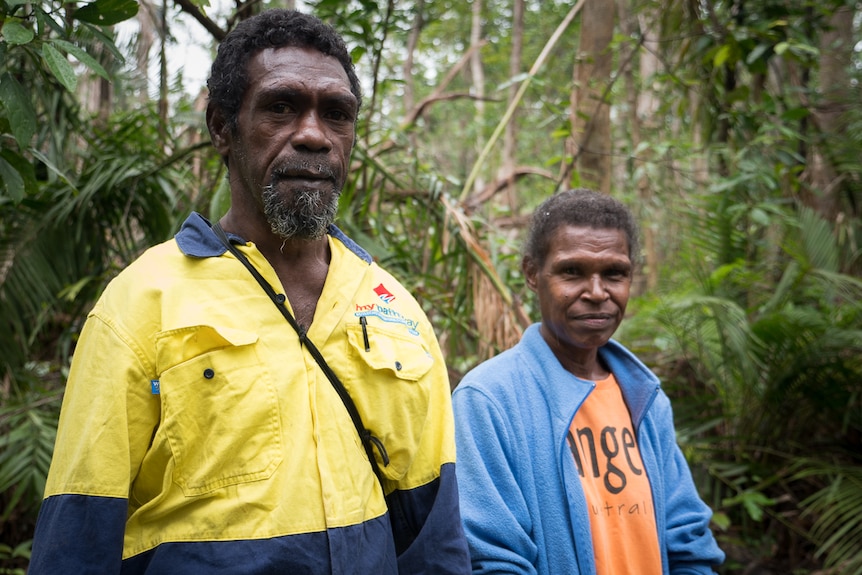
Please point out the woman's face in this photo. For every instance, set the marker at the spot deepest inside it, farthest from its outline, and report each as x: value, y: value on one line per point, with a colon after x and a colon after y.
x: 582, y: 287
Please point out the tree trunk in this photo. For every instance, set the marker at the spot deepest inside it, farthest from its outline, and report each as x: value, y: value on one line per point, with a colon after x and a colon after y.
x: 478, y: 76
x: 163, y: 76
x: 407, y: 69
x: 590, y: 142
x: 643, y: 104
x: 507, y: 170
x: 836, y: 53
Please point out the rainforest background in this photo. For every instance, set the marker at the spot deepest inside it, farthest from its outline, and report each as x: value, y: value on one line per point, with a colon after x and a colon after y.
x: 733, y: 129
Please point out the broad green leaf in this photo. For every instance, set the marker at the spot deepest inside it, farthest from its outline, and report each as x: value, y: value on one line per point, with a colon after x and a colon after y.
x: 82, y: 57
x: 107, y: 12
x: 19, y: 110
x: 24, y: 167
x: 15, y: 33
x: 13, y: 183
x: 60, y: 67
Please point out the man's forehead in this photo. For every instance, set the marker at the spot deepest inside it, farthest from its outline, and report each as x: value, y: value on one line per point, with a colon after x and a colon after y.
x: 299, y: 62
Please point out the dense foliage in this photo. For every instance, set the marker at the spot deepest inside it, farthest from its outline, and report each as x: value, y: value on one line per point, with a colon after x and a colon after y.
x: 735, y: 132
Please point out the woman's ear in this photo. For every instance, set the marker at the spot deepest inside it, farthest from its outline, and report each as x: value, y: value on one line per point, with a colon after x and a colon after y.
x: 528, y: 266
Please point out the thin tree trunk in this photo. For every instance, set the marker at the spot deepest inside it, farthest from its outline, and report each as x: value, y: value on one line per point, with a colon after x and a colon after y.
x: 478, y: 76
x: 836, y: 51
x: 510, y: 138
x: 163, y: 75
x: 146, y: 37
x: 590, y: 143
x: 407, y: 70
x: 412, y: 42
x: 643, y: 104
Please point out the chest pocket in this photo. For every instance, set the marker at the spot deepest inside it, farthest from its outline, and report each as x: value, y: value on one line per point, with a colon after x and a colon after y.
x: 390, y: 390
x: 220, y: 408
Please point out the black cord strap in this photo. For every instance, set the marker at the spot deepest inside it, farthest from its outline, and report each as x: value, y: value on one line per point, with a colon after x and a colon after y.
x: 369, y: 442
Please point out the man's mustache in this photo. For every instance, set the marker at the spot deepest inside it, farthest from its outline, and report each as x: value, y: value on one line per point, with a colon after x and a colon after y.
x: 301, y: 167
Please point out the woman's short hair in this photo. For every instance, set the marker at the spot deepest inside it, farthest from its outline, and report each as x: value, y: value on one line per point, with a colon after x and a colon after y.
x: 578, y: 207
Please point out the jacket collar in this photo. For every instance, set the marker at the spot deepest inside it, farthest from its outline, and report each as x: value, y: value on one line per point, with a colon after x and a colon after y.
x: 197, y: 240
x: 638, y: 384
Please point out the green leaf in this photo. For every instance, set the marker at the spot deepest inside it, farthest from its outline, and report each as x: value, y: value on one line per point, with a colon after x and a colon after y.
x: 19, y: 110
x: 794, y: 114
x: 82, y: 57
x: 107, y: 12
x: 13, y: 183
x: 15, y: 33
x: 756, y: 53
x: 23, y: 167
x: 721, y: 520
x: 106, y: 40
x: 60, y: 67
x: 721, y: 56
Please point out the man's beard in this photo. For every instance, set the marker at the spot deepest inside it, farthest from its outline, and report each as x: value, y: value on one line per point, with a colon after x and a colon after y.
x: 300, y: 213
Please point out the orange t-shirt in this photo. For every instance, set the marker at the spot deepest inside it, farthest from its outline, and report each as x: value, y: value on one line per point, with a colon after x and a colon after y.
x: 619, y: 498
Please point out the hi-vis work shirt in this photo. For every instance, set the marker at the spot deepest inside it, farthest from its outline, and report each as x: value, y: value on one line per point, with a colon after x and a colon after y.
x: 198, y: 436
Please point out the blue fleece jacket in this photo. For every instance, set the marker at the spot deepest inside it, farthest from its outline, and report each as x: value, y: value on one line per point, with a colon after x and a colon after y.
x: 522, y: 504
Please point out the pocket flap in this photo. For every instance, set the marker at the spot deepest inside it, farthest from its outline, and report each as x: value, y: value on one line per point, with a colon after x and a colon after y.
x: 178, y: 345
x: 405, y: 358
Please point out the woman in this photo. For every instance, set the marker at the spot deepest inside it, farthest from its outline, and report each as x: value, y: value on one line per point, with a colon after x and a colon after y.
x: 567, y: 457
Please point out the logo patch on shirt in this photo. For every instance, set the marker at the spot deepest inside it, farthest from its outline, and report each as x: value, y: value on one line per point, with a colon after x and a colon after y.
x: 388, y: 315
x: 384, y: 294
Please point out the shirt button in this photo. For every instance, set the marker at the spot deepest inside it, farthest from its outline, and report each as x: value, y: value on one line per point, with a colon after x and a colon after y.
x: 280, y: 298
x: 397, y: 366
x: 209, y: 373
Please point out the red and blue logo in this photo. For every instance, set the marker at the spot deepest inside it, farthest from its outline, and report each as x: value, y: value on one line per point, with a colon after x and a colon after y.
x: 384, y: 293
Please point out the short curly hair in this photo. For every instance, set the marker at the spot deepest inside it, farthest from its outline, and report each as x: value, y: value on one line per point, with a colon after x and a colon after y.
x: 578, y: 207
x: 274, y: 28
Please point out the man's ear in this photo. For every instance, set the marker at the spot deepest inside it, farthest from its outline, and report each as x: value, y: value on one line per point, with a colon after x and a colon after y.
x: 219, y: 129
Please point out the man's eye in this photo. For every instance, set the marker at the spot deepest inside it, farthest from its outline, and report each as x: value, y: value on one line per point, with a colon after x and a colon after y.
x: 279, y: 108
x: 339, y: 116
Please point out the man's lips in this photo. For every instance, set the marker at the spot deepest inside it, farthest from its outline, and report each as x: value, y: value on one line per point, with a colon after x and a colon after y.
x: 301, y: 175
x: 305, y: 174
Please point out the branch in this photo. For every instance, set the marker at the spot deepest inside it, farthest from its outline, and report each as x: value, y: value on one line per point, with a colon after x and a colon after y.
x: 500, y: 184
x: 188, y: 7
x: 420, y: 108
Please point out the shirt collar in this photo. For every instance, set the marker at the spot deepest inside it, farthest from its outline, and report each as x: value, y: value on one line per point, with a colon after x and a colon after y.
x: 197, y: 240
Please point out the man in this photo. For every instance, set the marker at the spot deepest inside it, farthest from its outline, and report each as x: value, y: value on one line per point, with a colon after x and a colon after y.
x: 199, y: 433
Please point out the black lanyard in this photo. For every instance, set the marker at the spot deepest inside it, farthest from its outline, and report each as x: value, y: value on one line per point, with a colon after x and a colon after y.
x: 368, y: 440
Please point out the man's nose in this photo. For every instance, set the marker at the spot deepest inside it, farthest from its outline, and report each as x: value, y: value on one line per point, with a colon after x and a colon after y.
x: 311, y: 133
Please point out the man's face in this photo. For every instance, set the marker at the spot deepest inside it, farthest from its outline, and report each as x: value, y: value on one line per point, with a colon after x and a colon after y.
x: 289, y: 152
x: 583, y: 287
